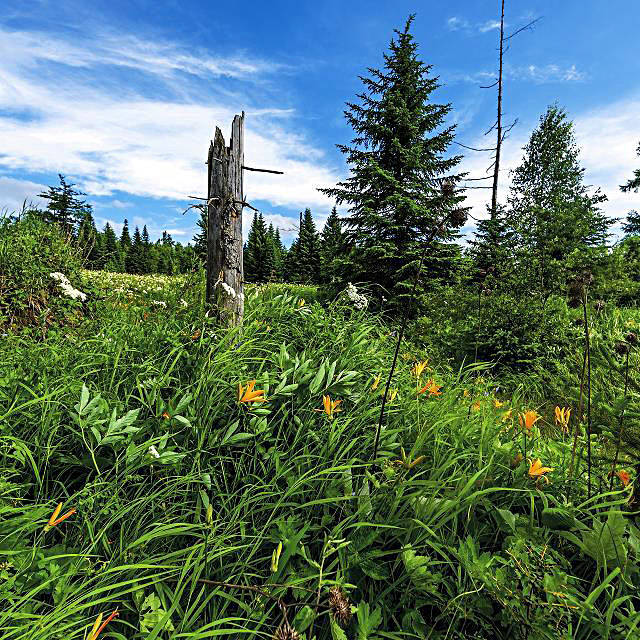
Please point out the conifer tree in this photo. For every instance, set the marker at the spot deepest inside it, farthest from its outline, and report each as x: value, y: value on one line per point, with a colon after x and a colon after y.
x: 125, y: 238
x: 66, y: 207
x: 308, y: 250
x: 552, y: 213
x: 111, y: 251
x: 88, y: 241
x: 200, y: 238
x: 257, y: 262
x: 401, y: 188
x: 135, y: 258
x: 331, y: 247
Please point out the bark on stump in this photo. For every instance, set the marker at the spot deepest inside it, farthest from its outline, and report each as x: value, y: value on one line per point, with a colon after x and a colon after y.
x: 225, y: 289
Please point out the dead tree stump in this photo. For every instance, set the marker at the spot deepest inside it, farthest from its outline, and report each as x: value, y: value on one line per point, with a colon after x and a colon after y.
x: 225, y: 288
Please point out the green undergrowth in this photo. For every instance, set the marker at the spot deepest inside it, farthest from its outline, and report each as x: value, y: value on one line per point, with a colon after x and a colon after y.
x: 199, y: 516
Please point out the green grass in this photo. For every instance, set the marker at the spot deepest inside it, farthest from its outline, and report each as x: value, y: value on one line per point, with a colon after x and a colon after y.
x: 456, y: 546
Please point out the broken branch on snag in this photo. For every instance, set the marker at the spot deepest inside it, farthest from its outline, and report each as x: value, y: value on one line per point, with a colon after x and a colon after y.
x: 262, y: 170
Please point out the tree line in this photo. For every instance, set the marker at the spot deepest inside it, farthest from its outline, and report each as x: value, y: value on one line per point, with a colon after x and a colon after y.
x: 67, y: 208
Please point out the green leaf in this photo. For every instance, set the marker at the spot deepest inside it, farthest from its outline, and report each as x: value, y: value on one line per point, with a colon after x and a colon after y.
x: 303, y: 619
x: 316, y: 383
x: 605, y: 543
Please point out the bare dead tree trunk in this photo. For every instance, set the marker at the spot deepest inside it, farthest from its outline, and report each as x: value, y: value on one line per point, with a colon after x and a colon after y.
x: 496, y: 167
x: 225, y: 282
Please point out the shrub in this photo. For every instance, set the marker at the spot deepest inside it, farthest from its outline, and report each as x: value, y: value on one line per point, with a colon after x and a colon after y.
x: 30, y: 250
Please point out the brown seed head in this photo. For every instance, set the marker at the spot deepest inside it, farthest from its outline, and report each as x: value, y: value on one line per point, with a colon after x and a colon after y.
x: 622, y: 348
x: 286, y: 632
x: 339, y: 605
x: 631, y: 338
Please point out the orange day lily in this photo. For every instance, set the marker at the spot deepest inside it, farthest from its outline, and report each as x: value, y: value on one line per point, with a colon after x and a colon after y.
x: 537, y: 471
x: 562, y: 417
x: 497, y: 404
x: 55, y: 520
x: 330, y: 406
x: 98, y: 625
x: 247, y: 394
x: 624, y: 477
x: 431, y: 387
x: 376, y: 382
x: 165, y: 415
x: 528, y: 419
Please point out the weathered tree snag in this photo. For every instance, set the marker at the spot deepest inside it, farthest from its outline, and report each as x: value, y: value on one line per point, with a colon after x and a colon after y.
x: 225, y: 289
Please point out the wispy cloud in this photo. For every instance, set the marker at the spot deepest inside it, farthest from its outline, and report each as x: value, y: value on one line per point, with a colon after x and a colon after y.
x: 457, y: 24
x: 489, y: 25
x: 539, y: 74
x: 119, y: 113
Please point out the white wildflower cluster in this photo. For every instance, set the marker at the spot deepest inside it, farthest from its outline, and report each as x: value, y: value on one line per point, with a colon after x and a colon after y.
x: 159, y: 303
x: 359, y: 300
x: 66, y: 286
x: 153, y: 452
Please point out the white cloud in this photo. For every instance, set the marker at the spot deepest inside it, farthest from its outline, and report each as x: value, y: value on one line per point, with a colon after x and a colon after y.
x: 117, y: 204
x: 539, y: 74
x: 456, y: 24
x: 489, y: 25
x: 93, y: 127
x: 607, y: 152
x: 15, y: 192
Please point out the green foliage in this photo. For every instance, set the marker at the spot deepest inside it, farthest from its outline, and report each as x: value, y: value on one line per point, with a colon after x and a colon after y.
x: 30, y: 250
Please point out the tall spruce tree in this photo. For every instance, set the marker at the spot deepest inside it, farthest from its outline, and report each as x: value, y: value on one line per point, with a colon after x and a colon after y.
x: 401, y: 189
x: 551, y: 212
x: 331, y: 248
x: 66, y: 207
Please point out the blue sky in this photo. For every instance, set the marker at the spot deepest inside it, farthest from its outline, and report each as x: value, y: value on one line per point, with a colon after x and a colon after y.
x: 123, y: 96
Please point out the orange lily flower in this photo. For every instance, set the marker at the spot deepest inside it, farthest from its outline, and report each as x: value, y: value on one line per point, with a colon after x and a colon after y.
x: 497, y: 404
x: 330, y: 406
x: 624, y: 477
x: 562, y: 417
x: 55, y: 520
x: 418, y: 368
x: 376, y: 382
x: 98, y: 628
x: 537, y: 471
x: 166, y: 415
x: 247, y: 394
x: 528, y: 419
x: 196, y: 335
x: 431, y: 387
x: 466, y: 393
x: 301, y: 302
x: 476, y: 406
